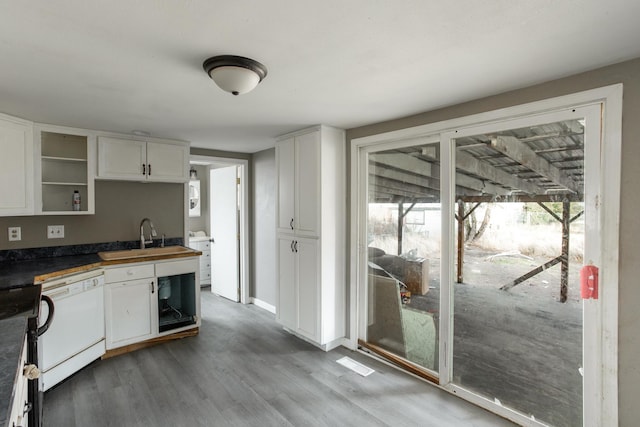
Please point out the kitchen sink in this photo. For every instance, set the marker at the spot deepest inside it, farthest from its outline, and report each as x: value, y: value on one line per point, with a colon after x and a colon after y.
x: 141, y: 253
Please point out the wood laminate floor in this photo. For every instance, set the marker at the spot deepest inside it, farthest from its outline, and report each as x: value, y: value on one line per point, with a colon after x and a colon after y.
x: 244, y: 370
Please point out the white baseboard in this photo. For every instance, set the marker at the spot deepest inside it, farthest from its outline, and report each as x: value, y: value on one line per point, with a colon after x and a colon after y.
x: 263, y: 305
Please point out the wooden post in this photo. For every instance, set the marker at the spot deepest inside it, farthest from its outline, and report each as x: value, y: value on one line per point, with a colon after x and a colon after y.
x: 460, y: 217
x: 564, y: 263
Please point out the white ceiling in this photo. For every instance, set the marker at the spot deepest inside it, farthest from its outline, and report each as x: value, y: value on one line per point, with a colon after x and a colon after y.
x: 128, y: 65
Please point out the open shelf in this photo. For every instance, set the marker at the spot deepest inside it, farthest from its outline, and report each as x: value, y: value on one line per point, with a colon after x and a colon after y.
x: 64, y: 169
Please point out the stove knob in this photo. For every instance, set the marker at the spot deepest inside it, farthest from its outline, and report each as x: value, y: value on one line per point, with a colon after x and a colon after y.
x: 31, y: 372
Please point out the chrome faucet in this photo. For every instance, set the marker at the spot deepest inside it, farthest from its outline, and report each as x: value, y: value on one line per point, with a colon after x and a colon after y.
x: 143, y: 241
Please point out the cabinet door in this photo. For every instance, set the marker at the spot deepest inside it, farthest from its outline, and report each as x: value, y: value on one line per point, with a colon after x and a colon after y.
x: 129, y: 311
x: 16, y: 168
x: 308, y: 287
x: 287, y: 296
x: 167, y: 162
x: 285, y: 165
x: 307, y: 220
x: 121, y: 159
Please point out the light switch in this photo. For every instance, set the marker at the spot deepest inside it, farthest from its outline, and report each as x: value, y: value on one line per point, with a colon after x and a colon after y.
x: 55, y: 231
x: 15, y: 234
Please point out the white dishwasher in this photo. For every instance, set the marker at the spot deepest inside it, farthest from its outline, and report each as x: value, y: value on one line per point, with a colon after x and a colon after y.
x: 75, y: 336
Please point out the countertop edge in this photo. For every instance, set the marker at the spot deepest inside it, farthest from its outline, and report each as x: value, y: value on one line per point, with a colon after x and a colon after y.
x: 103, y: 263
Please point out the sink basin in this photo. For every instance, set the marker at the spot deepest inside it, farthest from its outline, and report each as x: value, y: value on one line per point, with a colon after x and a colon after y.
x: 141, y: 253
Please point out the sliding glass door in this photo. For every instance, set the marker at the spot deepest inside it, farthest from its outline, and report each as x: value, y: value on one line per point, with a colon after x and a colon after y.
x: 403, y: 252
x: 519, y: 242
x: 475, y: 238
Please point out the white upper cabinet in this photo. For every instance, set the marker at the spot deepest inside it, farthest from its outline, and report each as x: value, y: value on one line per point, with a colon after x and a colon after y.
x: 298, y: 165
x: 285, y: 166
x: 16, y: 166
x: 132, y: 160
x: 65, y: 166
x: 121, y: 159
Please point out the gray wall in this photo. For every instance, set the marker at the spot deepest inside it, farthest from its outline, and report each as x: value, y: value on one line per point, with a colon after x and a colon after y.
x: 263, y: 285
x: 119, y: 208
x: 627, y: 73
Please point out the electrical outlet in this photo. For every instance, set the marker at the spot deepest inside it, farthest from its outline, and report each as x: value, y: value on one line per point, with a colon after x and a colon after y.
x: 15, y: 234
x: 55, y: 231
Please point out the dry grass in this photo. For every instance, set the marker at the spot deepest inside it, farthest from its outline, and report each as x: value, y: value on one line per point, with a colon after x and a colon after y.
x: 537, y: 241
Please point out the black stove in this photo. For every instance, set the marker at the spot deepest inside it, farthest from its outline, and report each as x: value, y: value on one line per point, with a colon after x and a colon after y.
x: 25, y: 301
x: 22, y: 301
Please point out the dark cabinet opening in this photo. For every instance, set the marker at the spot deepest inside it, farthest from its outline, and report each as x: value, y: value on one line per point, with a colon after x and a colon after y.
x: 176, y: 301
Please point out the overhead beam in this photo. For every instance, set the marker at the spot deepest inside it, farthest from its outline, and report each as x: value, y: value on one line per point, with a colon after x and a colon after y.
x: 476, y: 185
x: 470, y: 164
x: 405, y: 162
x: 523, y: 198
x: 511, y: 147
x: 410, y: 191
x: 381, y: 171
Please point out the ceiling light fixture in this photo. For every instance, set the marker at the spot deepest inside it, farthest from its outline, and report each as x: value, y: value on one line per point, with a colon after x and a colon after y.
x: 235, y: 74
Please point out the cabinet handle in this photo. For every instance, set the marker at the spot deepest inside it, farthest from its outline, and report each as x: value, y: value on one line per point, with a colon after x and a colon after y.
x: 291, y: 246
x: 291, y: 223
x: 152, y: 287
x: 296, y: 246
x: 144, y: 169
x: 149, y: 168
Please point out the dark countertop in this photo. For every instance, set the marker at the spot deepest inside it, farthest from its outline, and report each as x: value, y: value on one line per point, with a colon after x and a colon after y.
x: 21, y: 267
x: 12, y: 335
x: 22, y: 273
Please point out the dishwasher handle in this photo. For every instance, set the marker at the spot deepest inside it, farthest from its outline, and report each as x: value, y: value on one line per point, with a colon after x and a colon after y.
x: 42, y: 329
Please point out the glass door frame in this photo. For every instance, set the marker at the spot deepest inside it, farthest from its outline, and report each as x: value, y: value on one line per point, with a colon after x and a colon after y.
x: 601, y: 340
x: 591, y: 308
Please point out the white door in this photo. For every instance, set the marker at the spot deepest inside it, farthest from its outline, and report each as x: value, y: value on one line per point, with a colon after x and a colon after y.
x: 224, y: 233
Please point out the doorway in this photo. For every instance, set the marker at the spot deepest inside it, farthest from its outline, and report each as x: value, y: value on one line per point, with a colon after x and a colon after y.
x: 222, y: 222
x: 420, y: 198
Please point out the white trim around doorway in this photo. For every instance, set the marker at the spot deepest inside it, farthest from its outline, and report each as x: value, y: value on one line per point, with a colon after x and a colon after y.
x: 243, y: 167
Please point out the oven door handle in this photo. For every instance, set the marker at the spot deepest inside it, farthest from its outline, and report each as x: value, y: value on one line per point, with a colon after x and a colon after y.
x: 42, y: 329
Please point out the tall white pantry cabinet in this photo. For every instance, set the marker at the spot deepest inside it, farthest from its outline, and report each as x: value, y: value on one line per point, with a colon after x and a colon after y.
x: 311, y: 180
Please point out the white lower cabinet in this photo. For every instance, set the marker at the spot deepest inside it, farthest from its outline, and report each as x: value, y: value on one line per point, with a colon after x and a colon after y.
x: 129, y: 308
x: 299, y: 293
x: 203, y: 244
x: 147, y: 300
